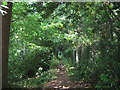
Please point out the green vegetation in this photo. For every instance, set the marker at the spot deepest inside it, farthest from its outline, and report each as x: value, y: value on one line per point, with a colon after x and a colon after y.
x: 86, y: 34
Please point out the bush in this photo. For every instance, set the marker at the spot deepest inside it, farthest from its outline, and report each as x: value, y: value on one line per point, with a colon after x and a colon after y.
x: 54, y: 62
x: 25, y: 63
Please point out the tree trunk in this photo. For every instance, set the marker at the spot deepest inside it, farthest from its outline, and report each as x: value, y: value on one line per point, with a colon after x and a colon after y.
x: 82, y: 53
x: 77, y: 55
x: 56, y: 51
x: 6, y: 19
x: 73, y: 56
x: 85, y: 53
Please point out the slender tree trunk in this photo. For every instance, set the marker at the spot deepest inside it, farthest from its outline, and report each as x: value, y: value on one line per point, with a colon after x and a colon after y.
x: 85, y: 53
x: 73, y: 56
x: 56, y: 52
x: 82, y: 53
x: 6, y: 19
x: 77, y: 55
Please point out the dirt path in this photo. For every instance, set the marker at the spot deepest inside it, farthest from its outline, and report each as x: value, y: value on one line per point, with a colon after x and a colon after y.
x: 62, y: 81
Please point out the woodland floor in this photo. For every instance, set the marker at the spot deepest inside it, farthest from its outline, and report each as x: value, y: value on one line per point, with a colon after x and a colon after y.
x: 63, y: 81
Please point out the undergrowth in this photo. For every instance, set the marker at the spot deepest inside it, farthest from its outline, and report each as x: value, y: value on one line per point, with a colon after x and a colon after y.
x: 36, y: 82
x: 40, y: 79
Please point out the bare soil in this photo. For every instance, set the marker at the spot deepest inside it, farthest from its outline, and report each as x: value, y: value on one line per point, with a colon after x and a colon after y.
x: 63, y: 82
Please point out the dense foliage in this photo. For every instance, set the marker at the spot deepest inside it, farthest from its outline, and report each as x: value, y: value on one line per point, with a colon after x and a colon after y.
x: 87, y: 34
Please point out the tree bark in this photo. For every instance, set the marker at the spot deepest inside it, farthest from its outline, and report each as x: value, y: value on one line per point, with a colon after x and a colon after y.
x: 77, y: 55
x: 6, y: 19
x: 85, y: 52
x: 73, y: 56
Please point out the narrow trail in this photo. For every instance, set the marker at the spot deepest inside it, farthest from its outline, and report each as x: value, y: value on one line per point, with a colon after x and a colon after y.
x: 63, y: 82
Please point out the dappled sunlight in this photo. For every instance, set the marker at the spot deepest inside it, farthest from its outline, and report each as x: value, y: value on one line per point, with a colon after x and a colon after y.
x: 62, y: 45
x: 62, y: 81
x: 64, y: 87
x: 62, y: 72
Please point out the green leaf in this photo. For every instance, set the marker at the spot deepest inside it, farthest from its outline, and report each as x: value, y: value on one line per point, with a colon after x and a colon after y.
x: 4, y: 3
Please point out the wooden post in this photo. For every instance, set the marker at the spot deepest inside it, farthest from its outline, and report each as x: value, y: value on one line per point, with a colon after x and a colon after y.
x: 6, y: 20
x: 0, y: 49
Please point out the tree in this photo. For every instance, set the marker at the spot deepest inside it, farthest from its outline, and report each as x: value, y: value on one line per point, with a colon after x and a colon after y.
x: 6, y: 20
x: 86, y: 32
